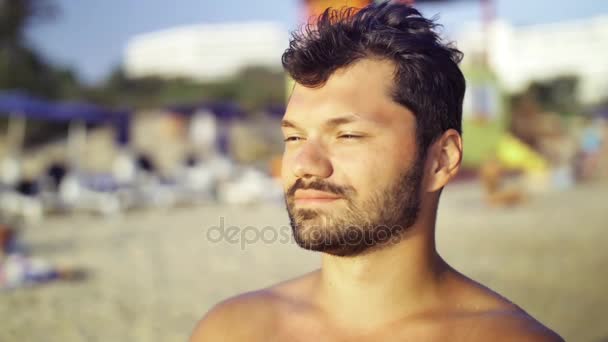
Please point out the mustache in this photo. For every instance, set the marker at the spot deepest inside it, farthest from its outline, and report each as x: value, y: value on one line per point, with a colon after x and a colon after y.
x: 320, y: 186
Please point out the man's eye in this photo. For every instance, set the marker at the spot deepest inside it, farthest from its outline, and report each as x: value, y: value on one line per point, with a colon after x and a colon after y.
x: 290, y: 139
x: 349, y: 136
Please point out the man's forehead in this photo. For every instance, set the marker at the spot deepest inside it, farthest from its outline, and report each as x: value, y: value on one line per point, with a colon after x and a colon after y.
x: 296, y: 98
x: 363, y: 89
x: 367, y: 79
x: 311, y: 108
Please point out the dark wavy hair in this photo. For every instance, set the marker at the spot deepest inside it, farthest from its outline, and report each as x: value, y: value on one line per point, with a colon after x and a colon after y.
x: 427, y: 80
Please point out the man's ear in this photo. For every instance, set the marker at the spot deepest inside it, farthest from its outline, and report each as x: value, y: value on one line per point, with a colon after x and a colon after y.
x: 443, y: 160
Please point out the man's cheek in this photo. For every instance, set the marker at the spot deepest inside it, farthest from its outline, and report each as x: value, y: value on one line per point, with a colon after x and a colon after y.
x: 359, y: 165
x: 367, y: 174
x: 286, y: 164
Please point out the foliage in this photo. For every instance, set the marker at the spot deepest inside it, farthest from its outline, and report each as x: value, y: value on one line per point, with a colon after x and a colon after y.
x: 558, y: 95
x: 252, y: 88
x: 21, y: 67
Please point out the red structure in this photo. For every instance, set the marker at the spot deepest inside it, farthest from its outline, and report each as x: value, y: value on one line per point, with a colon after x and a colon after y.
x: 313, y: 8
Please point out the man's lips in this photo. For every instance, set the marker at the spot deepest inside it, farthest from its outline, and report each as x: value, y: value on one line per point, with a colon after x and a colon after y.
x: 312, y: 196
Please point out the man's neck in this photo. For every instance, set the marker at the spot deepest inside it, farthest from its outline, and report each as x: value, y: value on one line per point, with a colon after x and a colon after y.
x: 377, y: 287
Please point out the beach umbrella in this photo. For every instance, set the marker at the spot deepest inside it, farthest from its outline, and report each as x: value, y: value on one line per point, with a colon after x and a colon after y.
x: 78, y: 111
x: 18, y: 103
x: 19, y: 106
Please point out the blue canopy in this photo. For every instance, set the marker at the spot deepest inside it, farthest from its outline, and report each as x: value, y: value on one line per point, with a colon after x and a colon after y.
x: 225, y: 110
x: 20, y: 104
x: 78, y: 111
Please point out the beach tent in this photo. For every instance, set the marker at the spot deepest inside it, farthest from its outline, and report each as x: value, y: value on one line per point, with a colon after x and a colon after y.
x: 20, y: 106
x: 96, y: 194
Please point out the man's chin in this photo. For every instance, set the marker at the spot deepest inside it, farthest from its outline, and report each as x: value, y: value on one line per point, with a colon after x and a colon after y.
x: 341, y: 250
x: 310, y: 216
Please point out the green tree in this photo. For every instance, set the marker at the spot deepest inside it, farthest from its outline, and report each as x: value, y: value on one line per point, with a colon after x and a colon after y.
x: 17, y: 15
x: 252, y: 88
x: 558, y: 95
x: 21, y: 67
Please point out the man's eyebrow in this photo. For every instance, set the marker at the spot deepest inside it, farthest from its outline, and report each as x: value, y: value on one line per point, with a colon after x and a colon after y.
x: 341, y: 120
x: 288, y: 124
x: 331, y: 123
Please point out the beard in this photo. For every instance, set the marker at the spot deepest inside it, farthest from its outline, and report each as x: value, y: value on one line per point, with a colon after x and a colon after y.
x: 363, y: 225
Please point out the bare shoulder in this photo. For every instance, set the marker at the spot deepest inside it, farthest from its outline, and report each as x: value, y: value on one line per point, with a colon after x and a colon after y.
x: 238, y: 318
x: 504, y: 321
x: 492, y: 317
x: 250, y: 316
x: 514, y: 325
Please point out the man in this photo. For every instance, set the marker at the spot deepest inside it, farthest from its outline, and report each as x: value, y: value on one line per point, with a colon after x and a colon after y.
x: 372, y: 135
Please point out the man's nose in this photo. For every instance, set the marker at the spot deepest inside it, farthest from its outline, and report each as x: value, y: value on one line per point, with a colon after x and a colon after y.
x: 312, y: 161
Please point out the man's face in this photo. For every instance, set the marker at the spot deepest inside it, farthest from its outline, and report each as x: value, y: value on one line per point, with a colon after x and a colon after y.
x: 350, y: 170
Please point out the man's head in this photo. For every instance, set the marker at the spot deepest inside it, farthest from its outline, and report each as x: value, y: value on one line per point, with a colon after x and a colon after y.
x: 372, y: 126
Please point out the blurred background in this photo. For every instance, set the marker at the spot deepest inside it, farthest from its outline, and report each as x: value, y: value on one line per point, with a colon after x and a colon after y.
x: 133, y: 130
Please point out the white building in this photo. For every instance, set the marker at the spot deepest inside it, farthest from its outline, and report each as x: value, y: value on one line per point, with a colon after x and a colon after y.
x: 521, y: 54
x: 205, y: 52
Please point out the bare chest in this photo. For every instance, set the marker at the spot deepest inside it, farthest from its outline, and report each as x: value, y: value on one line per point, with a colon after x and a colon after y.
x: 307, y: 329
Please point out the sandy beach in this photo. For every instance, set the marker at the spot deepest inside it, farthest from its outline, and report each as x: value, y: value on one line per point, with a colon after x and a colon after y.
x: 154, y: 273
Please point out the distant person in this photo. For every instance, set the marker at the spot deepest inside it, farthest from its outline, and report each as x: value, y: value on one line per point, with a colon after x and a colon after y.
x: 56, y: 173
x: 7, y: 240
x: 492, y: 175
x: 18, y: 270
x: 591, y: 142
x: 373, y: 134
x: 191, y: 160
x: 27, y: 187
x: 146, y: 164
